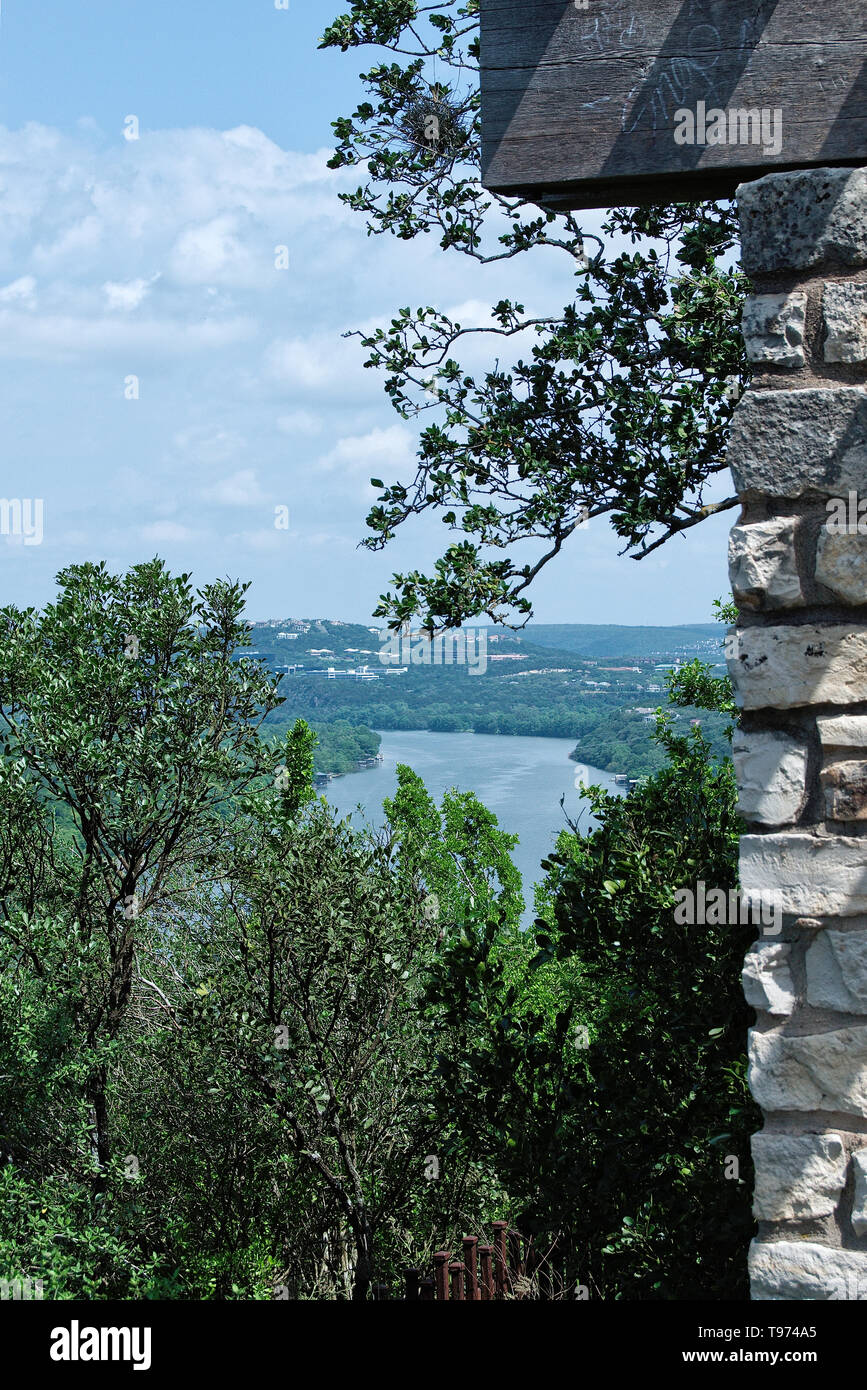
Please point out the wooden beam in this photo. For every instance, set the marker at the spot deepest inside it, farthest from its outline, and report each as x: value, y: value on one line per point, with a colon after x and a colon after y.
x: 585, y: 107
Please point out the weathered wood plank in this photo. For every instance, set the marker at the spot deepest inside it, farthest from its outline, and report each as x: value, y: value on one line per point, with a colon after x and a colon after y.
x: 617, y: 103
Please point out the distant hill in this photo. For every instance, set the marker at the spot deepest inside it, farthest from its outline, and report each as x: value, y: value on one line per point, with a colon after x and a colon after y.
x: 323, y: 642
x: 594, y: 683
x: 610, y: 640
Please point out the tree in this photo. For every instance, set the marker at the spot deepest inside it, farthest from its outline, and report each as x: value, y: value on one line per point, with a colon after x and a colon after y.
x: 295, y: 776
x: 620, y: 405
x: 599, y: 1064
x: 455, y: 858
x: 124, y: 707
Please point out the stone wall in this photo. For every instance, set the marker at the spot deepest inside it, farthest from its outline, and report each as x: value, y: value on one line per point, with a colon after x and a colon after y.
x: 799, y: 662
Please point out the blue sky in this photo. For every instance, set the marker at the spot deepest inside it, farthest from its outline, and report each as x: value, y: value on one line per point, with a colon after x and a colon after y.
x: 155, y: 259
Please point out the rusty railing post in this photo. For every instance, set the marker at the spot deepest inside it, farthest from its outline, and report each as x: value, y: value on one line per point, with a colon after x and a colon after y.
x: 471, y: 1283
x: 441, y: 1274
x: 456, y: 1271
x: 486, y: 1277
x: 427, y: 1290
x: 412, y: 1280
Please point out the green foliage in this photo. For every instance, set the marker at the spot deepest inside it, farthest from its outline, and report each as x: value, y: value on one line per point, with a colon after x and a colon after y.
x: 603, y: 1070
x: 233, y: 1083
x: 227, y: 1089
x: 620, y: 406
x: 342, y: 744
x: 295, y: 776
x: 622, y: 741
x: 456, y: 856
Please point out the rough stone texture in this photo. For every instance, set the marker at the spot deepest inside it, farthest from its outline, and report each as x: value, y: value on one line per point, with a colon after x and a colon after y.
x: 787, y: 443
x: 807, y: 876
x: 793, y: 451
x: 822, y: 1071
x: 803, y: 1271
x: 845, y: 310
x: 773, y: 329
x: 772, y: 777
x: 794, y: 221
x: 859, y: 1205
x: 841, y: 565
x: 843, y: 730
x: 799, y: 1177
x: 762, y: 566
x: 767, y: 978
x: 837, y: 972
x: 785, y: 667
x: 845, y: 788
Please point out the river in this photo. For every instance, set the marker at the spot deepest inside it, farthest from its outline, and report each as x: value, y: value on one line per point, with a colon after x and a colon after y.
x: 520, y: 779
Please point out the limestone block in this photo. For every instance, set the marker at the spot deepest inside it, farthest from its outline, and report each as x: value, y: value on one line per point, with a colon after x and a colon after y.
x: 767, y: 978
x: 792, y: 221
x: 807, y: 876
x: 799, y: 1177
x: 843, y: 730
x: 762, y: 565
x: 859, y: 1206
x: 841, y: 565
x: 786, y: 667
x: 845, y: 788
x: 844, y: 307
x: 771, y: 770
x: 803, y: 1271
x: 788, y: 443
x: 822, y: 1071
x: 773, y: 328
x: 837, y: 972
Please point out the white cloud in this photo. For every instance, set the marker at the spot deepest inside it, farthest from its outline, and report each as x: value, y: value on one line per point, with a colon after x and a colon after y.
x: 166, y: 531
x: 472, y: 313
x: 64, y: 337
x: 241, y: 365
x: 209, y: 445
x: 130, y: 295
x: 213, y: 250
x: 379, y: 451
x: 20, y: 291
x: 320, y: 362
x: 240, y: 490
x: 265, y: 539
x: 300, y: 422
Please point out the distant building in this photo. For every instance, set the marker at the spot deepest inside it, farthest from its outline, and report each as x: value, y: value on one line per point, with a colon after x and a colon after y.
x: 362, y: 674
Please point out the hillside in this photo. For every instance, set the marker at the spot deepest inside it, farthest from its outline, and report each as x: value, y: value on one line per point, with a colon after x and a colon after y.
x: 333, y: 675
x: 610, y: 640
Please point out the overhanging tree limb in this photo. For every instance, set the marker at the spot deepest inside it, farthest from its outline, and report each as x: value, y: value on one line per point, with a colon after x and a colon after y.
x: 619, y: 406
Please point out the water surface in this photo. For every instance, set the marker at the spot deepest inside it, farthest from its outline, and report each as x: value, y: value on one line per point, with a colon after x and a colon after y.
x: 520, y: 779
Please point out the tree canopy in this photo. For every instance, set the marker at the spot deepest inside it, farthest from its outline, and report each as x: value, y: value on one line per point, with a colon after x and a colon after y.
x: 618, y: 406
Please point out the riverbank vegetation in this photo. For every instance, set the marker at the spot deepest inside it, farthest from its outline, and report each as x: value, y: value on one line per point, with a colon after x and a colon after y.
x: 235, y: 1031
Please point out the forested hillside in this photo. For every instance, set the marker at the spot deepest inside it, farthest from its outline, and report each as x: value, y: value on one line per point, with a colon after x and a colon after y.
x: 235, y: 1031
